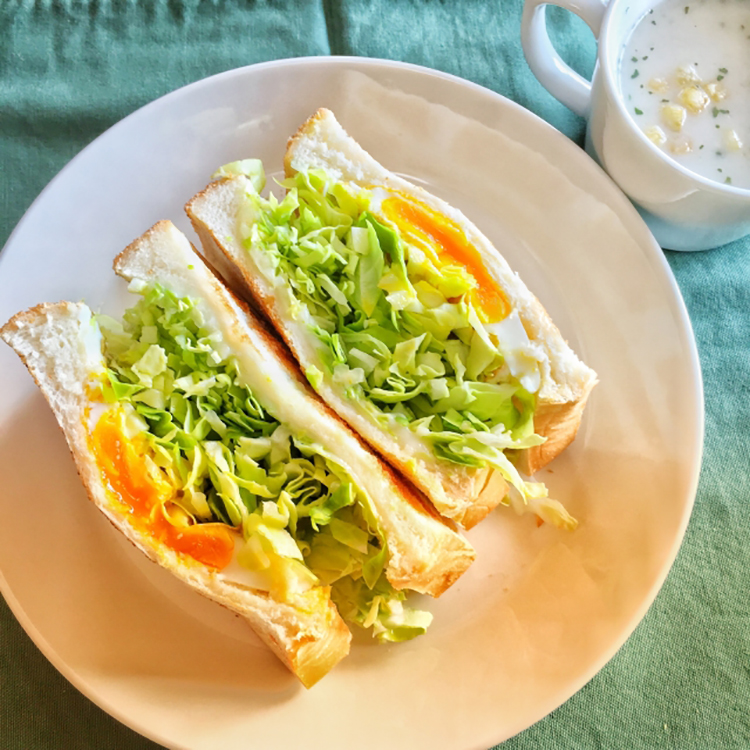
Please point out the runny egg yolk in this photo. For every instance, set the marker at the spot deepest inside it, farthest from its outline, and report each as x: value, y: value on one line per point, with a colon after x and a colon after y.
x: 422, y: 224
x: 141, y: 496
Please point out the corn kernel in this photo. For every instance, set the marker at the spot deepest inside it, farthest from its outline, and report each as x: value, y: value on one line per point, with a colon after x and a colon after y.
x: 732, y: 140
x: 716, y: 91
x: 673, y: 116
x: 687, y: 74
x: 659, y: 85
x: 680, y: 146
x: 656, y: 135
x: 694, y: 98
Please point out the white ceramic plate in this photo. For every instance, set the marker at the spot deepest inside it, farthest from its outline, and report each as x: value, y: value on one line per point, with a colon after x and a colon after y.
x: 541, y: 611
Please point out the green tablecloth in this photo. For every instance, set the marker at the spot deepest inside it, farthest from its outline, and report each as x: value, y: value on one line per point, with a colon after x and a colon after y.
x: 69, y: 70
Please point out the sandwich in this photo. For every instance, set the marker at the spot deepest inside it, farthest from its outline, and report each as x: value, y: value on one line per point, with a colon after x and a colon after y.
x: 404, y: 318
x: 197, y: 437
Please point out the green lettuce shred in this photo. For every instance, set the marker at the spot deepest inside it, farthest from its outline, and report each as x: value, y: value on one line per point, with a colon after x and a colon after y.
x: 303, y: 520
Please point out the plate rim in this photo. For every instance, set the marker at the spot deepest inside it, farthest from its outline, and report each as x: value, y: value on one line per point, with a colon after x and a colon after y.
x: 655, y: 256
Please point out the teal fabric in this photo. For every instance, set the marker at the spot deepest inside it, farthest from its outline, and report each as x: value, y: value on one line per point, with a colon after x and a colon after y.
x: 69, y: 70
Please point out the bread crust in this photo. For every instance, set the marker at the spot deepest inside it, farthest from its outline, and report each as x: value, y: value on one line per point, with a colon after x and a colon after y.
x: 307, y: 127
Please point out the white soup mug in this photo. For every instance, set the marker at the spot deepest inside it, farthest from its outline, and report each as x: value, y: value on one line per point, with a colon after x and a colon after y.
x: 684, y: 210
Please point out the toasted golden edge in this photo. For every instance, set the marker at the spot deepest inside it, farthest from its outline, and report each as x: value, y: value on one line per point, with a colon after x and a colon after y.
x: 307, y: 127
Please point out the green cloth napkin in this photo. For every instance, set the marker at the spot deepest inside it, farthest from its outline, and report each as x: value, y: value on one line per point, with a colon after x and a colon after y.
x: 69, y: 70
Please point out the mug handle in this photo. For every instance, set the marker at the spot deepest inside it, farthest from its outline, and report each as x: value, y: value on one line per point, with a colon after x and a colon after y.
x: 553, y: 73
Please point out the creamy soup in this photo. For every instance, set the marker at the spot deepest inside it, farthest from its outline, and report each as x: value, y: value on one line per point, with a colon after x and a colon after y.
x: 685, y: 79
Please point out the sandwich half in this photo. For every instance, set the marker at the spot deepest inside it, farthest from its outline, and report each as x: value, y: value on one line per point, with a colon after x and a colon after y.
x: 195, y: 434
x: 404, y: 318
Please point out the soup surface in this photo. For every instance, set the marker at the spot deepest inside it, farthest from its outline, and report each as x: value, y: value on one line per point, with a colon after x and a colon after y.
x: 685, y: 80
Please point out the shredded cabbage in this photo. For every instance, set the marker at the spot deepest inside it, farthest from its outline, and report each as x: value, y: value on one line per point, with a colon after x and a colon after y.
x: 398, y: 331
x: 304, y: 521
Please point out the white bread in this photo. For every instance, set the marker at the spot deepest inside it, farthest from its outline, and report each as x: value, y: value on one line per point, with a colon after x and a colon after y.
x: 61, y: 346
x: 463, y: 494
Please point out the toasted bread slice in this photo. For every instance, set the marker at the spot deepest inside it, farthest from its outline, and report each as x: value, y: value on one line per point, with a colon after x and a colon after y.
x: 463, y: 493
x: 61, y: 345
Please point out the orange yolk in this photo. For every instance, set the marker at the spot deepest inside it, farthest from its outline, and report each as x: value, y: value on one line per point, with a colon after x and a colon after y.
x: 140, y: 495
x: 419, y: 222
